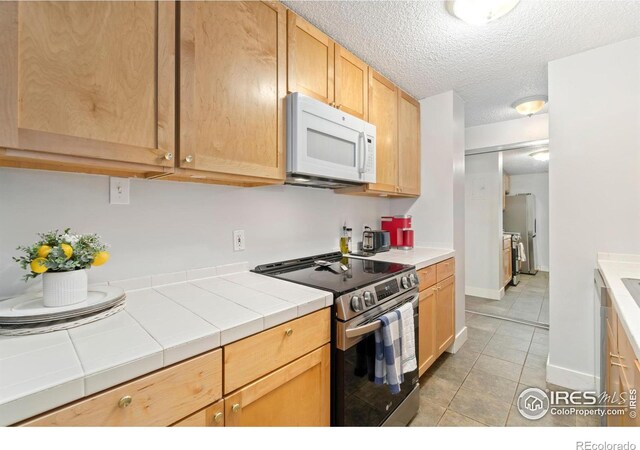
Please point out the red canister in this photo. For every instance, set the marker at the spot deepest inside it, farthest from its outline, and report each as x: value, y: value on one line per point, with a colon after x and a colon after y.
x: 407, y: 239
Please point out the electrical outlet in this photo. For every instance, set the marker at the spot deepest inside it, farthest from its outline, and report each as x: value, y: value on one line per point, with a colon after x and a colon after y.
x: 118, y: 191
x: 238, y: 241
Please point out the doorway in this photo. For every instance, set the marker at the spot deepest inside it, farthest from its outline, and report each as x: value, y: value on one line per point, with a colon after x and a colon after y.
x: 507, y: 204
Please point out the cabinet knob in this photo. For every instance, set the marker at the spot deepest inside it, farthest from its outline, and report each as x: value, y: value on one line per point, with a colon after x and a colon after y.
x: 188, y: 158
x: 236, y: 407
x: 125, y: 401
x: 288, y: 332
x: 615, y: 356
x: 218, y: 417
x: 618, y: 365
x: 338, y: 106
x: 168, y: 156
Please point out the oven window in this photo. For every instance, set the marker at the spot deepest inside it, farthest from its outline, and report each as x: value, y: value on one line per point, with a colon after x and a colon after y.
x: 361, y: 402
x: 330, y: 148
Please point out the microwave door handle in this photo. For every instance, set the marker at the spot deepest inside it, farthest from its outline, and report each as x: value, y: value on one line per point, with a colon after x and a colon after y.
x: 363, y: 152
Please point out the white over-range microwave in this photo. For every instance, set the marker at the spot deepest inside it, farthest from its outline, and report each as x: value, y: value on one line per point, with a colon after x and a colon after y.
x: 327, y: 147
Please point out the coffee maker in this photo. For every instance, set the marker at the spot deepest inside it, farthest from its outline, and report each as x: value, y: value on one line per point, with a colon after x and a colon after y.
x: 400, y: 231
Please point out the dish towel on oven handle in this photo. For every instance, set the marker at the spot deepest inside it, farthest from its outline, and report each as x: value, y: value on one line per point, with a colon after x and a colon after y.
x: 395, y: 347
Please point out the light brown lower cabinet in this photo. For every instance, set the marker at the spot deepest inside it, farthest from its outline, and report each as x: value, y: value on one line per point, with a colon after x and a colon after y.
x: 623, y: 373
x: 158, y: 399
x: 211, y: 416
x: 436, y: 312
x: 294, y: 395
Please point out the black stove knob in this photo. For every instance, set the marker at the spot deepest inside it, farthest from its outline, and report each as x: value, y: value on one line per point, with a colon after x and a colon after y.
x: 404, y: 281
x: 412, y: 279
x: 369, y: 299
x: 356, y: 303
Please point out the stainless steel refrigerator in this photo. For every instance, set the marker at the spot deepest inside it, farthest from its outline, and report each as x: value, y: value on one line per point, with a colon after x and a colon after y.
x: 519, y: 216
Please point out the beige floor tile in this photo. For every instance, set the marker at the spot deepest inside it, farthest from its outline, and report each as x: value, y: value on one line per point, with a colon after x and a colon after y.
x: 438, y: 390
x: 479, y: 406
x: 542, y: 339
x: 502, y: 341
x: 539, y: 349
x: 455, y: 375
x: 516, y: 330
x: 484, y: 323
x: 536, y: 361
x: 504, y: 369
x: 534, y: 376
x: 504, y: 353
x: 453, y: 419
x: 497, y: 387
x: 428, y: 416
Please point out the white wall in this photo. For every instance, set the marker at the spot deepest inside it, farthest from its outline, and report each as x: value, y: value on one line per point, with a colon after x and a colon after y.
x: 173, y: 226
x: 538, y: 185
x: 594, y: 192
x: 508, y: 132
x: 438, y: 214
x: 483, y: 225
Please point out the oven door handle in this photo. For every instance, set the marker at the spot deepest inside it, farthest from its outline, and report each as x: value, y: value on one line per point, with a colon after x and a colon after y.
x: 373, y: 326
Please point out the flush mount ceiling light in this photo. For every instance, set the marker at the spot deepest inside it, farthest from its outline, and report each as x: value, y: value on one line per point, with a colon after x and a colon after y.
x: 480, y: 12
x: 528, y: 106
x: 541, y: 155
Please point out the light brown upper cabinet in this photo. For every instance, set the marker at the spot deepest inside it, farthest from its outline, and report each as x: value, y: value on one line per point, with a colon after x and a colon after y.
x: 232, y: 91
x: 88, y: 86
x: 310, y: 66
x: 351, y: 84
x: 383, y: 113
x: 408, y: 144
x: 322, y: 69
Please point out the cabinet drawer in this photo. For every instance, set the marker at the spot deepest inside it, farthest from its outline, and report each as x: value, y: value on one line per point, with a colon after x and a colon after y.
x: 255, y: 356
x: 211, y: 416
x: 427, y: 277
x: 445, y: 269
x: 158, y: 399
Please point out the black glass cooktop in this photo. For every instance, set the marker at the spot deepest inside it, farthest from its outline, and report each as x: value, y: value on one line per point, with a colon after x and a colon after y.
x: 358, y: 274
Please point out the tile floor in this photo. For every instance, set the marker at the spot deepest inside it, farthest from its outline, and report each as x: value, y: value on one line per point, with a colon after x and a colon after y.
x: 479, y: 385
x: 528, y: 301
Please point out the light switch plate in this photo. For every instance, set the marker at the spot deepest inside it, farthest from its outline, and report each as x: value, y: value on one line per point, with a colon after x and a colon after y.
x: 238, y: 241
x: 119, y: 191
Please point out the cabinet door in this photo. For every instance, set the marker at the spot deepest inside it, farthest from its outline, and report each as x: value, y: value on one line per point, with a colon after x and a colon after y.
x: 211, y: 416
x: 506, y: 266
x: 383, y: 113
x: 92, y: 80
x: 408, y: 144
x: 351, y: 84
x: 310, y: 67
x: 427, y: 329
x: 232, y: 88
x: 295, y: 395
x: 445, y: 314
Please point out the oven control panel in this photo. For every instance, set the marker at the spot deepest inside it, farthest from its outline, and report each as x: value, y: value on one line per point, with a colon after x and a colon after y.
x: 359, y: 301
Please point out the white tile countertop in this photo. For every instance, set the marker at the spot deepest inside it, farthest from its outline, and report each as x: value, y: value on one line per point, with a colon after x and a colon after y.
x: 614, y: 267
x: 168, y: 318
x: 420, y: 257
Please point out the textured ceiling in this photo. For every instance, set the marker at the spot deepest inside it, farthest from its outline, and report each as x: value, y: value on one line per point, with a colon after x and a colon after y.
x: 518, y: 162
x: 425, y: 51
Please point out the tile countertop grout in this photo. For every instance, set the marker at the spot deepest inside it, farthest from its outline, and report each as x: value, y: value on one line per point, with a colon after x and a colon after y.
x: 614, y: 267
x: 100, y: 355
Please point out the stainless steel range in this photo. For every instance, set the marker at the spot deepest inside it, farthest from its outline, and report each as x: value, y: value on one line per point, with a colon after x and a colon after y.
x: 363, y: 291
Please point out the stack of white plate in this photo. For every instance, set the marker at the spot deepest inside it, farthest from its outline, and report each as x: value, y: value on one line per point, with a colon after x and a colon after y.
x: 27, y: 314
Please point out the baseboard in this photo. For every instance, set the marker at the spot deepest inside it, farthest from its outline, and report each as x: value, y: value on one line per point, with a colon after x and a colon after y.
x: 494, y: 294
x: 543, y: 268
x: 458, y: 342
x: 570, y: 379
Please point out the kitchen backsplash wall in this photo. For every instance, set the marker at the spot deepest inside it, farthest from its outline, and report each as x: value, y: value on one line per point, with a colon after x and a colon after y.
x: 171, y: 226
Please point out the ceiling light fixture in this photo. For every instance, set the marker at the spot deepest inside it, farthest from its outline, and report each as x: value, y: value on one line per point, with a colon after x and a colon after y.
x: 528, y: 106
x: 541, y: 155
x: 480, y: 12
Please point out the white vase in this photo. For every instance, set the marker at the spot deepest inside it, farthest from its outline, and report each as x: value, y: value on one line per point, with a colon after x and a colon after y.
x: 64, y: 288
